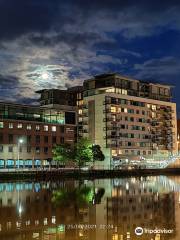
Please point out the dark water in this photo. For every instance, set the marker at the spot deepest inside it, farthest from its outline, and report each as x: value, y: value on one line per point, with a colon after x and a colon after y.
x: 96, y: 210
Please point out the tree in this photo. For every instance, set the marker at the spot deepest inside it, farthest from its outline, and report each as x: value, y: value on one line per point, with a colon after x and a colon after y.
x: 62, y: 153
x: 97, y: 153
x: 83, y: 151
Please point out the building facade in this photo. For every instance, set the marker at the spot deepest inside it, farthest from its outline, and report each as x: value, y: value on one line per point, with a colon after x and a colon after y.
x: 131, y: 120
x: 28, y: 134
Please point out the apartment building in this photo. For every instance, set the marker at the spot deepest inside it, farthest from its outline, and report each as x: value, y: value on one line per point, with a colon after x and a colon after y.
x: 131, y: 120
x: 28, y: 133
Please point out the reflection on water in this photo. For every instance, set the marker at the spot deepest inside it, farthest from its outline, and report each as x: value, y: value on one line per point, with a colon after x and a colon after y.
x: 95, y: 210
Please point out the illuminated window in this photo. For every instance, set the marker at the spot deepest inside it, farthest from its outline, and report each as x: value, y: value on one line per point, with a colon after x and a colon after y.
x: 113, y: 109
x: 153, y: 107
x: 28, y: 127
x: 114, y: 153
x: 120, y: 152
x: 19, y: 125
x: 113, y: 118
x: 53, y: 128
x: 149, y: 105
x: 10, y: 125
x: 53, y: 219
x: 110, y: 90
x: 80, y: 111
x: 46, y: 128
x: 124, y: 92
x: 37, y: 127
x: 125, y: 110
x: 1, y: 124
x: 28, y: 223
x: 18, y: 224
x: 119, y: 110
x: 36, y: 222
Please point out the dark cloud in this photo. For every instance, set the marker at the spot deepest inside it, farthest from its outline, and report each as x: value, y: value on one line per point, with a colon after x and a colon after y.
x: 72, y: 40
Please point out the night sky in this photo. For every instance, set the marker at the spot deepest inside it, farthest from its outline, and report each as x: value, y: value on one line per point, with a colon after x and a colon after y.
x: 57, y: 44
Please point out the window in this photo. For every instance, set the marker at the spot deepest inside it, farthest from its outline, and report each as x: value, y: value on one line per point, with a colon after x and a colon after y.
x: 61, y: 139
x: 19, y: 125
x: 154, y: 107
x: 37, y: 128
x: 46, y: 150
x: 80, y: 111
x: 1, y: 148
x: 10, y: 149
x: 28, y: 127
x: 46, y: 128
x: 29, y: 139
x: 54, y: 139
x: 28, y: 149
x: 37, y: 139
x: 53, y: 128
x: 62, y: 129
x: 114, y: 153
x: 1, y: 124
x: 10, y: 138
x: 37, y: 150
x: 113, y: 109
x: 1, y: 137
x: 46, y: 139
x: 10, y: 125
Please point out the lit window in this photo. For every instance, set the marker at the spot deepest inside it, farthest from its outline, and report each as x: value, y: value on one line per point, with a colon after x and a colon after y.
x: 53, y: 128
x: 1, y: 124
x: 153, y: 107
x: 37, y: 127
x: 53, y: 219
x: 18, y: 224
x: 124, y: 92
x: 19, y: 125
x: 114, y: 153
x: 10, y: 125
x: 36, y: 222
x: 119, y: 110
x: 113, y: 109
x: 28, y: 223
x: 110, y: 90
x: 46, y: 128
x: 28, y: 127
x: 80, y: 111
x: 120, y: 152
x: 125, y: 110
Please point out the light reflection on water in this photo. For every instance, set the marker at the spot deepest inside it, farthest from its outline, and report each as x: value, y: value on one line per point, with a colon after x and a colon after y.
x: 100, y: 209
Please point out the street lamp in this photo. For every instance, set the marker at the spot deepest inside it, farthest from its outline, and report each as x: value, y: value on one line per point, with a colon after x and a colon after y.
x: 20, y: 141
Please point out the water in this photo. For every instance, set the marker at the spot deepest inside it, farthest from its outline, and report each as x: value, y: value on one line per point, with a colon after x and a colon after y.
x: 95, y: 210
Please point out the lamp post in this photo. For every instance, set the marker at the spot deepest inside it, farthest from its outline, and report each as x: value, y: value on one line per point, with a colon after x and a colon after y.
x: 20, y: 141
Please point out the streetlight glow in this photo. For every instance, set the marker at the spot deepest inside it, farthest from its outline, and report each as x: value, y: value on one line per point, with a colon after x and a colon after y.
x: 20, y: 140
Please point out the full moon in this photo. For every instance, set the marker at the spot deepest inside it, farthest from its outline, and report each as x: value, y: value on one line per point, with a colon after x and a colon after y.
x: 45, y: 75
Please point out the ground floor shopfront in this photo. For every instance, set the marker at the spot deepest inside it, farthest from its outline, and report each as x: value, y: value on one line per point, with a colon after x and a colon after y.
x: 24, y: 163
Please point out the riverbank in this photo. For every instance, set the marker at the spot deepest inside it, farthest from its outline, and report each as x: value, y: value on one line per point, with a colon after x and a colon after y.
x: 85, y: 174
